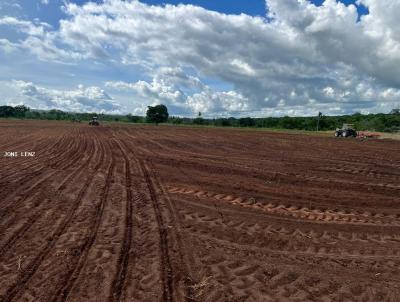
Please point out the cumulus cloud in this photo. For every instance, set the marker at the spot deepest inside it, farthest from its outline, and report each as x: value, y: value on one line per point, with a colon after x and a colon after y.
x: 186, y: 94
x: 23, y: 26
x: 82, y: 99
x: 299, y: 59
x: 7, y: 46
x: 288, y: 61
x: 39, y: 40
x: 4, y: 4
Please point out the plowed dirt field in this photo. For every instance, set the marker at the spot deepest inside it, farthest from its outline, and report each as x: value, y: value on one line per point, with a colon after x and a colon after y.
x: 146, y: 213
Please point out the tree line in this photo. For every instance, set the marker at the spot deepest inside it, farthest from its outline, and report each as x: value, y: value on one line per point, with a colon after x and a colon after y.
x: 159, y: 114
x: 373, y: 122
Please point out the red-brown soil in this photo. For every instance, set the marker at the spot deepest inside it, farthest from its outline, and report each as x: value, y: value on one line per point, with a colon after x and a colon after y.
x: 145, y: 213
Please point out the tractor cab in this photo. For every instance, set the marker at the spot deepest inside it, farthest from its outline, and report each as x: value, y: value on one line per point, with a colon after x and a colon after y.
x: 94, y: 121
x: 346, y: 131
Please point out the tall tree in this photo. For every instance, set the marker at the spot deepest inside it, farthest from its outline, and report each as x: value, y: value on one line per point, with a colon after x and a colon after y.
x: 20, y: 110
x: 157, y: 114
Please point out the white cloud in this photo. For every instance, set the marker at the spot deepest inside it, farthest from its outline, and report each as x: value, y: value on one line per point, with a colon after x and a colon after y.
x: 82, y: 99
x: 40, y: 40
x: 26, y: 27
x: 10, y: 4
x: 8, y: 46
x: 300, y: 58
x: 46, y: 49
x: 186, y: 94
x: 292, y: 58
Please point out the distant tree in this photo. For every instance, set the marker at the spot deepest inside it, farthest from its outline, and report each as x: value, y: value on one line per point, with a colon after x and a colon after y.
x: 21, y: 110
x: 199, y: 120
x: 7, y: 111
x: 288, y: 122
x: 226, y: 122
x: 176, y: 120
x: 134, y: 118
x: 33, y: 114
x: 222, y: 122
x: 157, y: 114
x: 319, y: 120
x: 247, y: 122
x: 395, y: 111
x: 55, y: 114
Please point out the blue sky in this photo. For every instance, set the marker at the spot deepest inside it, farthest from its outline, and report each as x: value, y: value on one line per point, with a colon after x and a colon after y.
x: 252, y: 7
x: 298, y: 58
x: 52, y: 13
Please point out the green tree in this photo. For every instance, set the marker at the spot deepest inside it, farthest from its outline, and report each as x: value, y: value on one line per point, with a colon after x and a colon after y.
x: 247, y: 122
x: 134, y: 118
x: 222, y: 122
x: 288, y: 122
x: 55, y: 114
x: 199, y: 120
x: 7, y: 111
x: 157, y: 114
x: 21, y: 110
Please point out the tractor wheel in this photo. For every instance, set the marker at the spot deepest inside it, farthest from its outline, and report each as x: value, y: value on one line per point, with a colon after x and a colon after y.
x: 336, y: 134
x: 344, y: 134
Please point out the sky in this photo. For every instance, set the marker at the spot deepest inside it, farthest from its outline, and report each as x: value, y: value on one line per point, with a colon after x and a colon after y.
x: 222, y: 58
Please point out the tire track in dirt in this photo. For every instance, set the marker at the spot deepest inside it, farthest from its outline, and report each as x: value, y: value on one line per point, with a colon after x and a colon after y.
x: 64, y: 163
x: 296, y: 240
x: 285, y: 177
x: 64, y: 140
x: 32, y: 267
x: 36, y: 139
x: 27, y: 197
x: 147, y: 222
x: 123, y: 260
x: 187, y: 260
x: 288, y: 230
x: 60, y: 152
x: 41, y: 144
x: 37, y: 212
x: 289, y: 249
x: 310, y: 252
x: 239, y: 280
x: 323, y: 250
x: 63, y: 292
x: 166, y: 269
x: 76, y: 155
x: 322, y: 215
x: 348, y: 184
x: 302, y: 228
x: 30, y: 190
x: 286, y: 239
x: 367, y: 171
x: 24, y: 141
x: 184, y: 253
x: 289, y: 191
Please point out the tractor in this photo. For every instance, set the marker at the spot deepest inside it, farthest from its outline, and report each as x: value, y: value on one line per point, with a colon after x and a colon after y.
x: 94, y: 121
x: 346, y: 131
